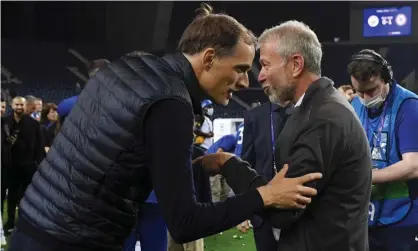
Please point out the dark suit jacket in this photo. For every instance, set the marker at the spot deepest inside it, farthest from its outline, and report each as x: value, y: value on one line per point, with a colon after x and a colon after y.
x: 32, y: 139
x: 257, y: 146
x: 257, y: 149
x: 5, y: 145
x: 322, y: 135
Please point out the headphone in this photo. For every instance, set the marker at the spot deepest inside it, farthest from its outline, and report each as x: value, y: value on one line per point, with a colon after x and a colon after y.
x: 371, y: 55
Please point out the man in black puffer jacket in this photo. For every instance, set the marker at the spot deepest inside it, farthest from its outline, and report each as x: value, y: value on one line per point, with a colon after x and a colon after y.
x: 111, y: 150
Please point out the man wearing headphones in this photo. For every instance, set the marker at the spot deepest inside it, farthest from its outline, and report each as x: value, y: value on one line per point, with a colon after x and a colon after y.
x: 389, y: 115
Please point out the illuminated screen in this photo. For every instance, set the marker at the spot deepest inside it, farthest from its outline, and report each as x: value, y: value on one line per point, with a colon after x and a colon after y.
x: 386, y: 22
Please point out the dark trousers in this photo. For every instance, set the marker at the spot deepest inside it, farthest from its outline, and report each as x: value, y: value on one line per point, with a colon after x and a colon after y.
x: 393, y: 239
x: 263, y: 236
x: 22, y: 242
x: 4, y: 186
x: 19, y: 178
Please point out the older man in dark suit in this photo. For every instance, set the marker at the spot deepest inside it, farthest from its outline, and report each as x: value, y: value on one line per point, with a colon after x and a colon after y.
x: 322, y: 134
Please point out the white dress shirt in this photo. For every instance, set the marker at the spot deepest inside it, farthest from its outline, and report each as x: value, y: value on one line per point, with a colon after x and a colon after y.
x: 299, y: 101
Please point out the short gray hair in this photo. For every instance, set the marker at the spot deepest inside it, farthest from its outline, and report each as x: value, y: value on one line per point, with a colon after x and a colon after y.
x: 296, y: 37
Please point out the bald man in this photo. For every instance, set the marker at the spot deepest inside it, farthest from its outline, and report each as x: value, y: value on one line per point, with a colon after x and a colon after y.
x: 26, y: 145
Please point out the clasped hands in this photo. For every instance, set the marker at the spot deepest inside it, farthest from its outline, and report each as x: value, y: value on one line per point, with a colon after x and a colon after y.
x: 280, y: 192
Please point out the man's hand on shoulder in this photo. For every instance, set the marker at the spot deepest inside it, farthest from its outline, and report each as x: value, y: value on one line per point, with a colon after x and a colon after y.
x: 287, y: 193
x: 281, y: 192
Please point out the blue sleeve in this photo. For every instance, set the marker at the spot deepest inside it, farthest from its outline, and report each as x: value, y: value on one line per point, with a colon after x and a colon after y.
x: 214, y: 147
x: 227, y: 143
x: 406, y: 126
x: 65, y: 106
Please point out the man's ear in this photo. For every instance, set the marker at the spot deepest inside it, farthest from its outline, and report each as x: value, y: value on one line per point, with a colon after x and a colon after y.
x: 208, y: 58
x: 298, y: 65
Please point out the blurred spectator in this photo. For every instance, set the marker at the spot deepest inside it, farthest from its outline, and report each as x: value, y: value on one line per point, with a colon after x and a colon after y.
x: 49, y: 123
x: 30, y: 104
x: 203, y: 194
x: 5, y: 155
x: 38, y: 109
x: 3, y: 106
x: 26, y: 151
x: 348, y: 91
x: 206, y: 129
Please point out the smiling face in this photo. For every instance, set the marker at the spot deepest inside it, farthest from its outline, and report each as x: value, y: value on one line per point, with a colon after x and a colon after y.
x: 277, y: 74
x: 19, y: 105
x: 223, y: 75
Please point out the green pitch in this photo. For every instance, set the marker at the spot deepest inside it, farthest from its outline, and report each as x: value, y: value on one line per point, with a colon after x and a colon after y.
x: 231, y: 240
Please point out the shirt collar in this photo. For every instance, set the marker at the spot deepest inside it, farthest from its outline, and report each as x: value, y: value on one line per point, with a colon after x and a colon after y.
x: 300, y: 101
x: 182, y: 66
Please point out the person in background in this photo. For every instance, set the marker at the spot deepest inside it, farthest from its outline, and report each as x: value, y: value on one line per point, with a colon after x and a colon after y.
x: 221, y: 190
x: 26, y: 151
x: 203, y: 195
x: 49, y: 123
x: 150, y: 228
x: 38, y: 109
x: 389, y: 115
x: 199, y: 137
x: 30, y: 105
x: 5, y: 156
x: 3, y: 107
x: 348, y: 91
x: 206, y: 129
x: 263, y: 125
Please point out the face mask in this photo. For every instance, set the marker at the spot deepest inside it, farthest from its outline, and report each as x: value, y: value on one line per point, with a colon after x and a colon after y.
x: 210, y: 111
x: 373, y: 102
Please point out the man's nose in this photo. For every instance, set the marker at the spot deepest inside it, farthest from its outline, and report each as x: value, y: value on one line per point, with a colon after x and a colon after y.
x: 261, y: 76
x: 244, y: 82
x: 366, y: 96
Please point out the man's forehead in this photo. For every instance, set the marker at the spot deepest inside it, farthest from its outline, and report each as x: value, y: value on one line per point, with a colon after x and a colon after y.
x: 363, y: 85
x: 18, y: 101
x: 243, y: 57
x: 269, y: 50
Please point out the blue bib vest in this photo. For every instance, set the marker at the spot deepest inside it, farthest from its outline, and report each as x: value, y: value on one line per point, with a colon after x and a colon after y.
x: 391, y: 203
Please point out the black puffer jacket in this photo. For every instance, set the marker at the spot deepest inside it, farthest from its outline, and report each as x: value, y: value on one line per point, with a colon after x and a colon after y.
x: 84, y: 190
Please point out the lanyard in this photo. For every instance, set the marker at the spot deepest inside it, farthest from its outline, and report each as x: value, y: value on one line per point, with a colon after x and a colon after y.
x: 273, y: 141
x: 376, y: 139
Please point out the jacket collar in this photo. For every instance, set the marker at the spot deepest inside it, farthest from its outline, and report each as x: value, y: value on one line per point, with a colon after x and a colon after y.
x: 182, y: 66
x: 318, y: 85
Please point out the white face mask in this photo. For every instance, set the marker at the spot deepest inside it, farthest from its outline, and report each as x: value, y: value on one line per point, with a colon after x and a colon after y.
x: 373, y: 102
x: 210, y: 111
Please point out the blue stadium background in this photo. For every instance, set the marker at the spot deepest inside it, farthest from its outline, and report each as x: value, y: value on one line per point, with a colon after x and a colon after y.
x: 36, y: 37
